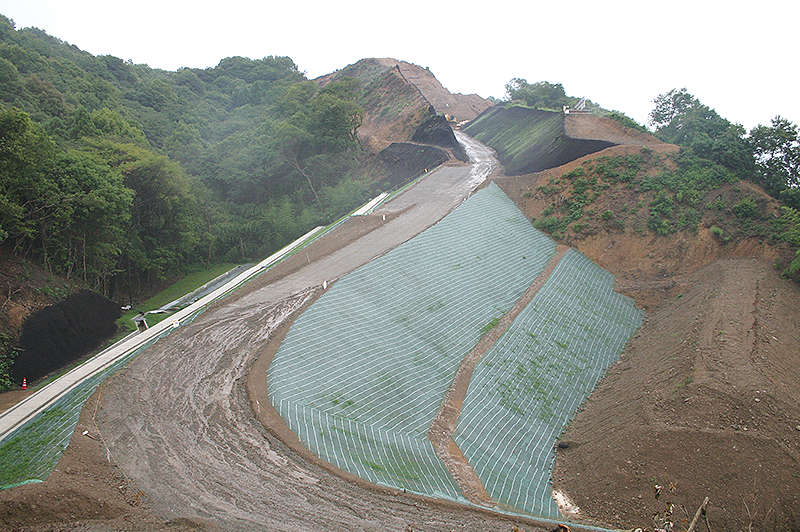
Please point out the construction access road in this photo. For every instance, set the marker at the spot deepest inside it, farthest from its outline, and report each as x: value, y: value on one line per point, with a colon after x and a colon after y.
x: 180, y: 423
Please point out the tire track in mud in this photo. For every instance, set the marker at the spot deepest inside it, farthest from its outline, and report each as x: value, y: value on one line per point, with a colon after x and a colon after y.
x: 443, y: 426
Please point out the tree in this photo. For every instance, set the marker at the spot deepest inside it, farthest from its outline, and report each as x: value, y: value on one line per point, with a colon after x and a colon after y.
x: 789, y: 227
x: 670, y: 108
x: 680, y: 118
x: 28, y: 195
x: 777, y: 155
x: 63, y: 206
x: 539, y: 95
x: 165, y: 224
x: 11, y: 84
x: 85, y: 185
x: 295, y: 98
x: 333, y: 122
x: 98, y: 203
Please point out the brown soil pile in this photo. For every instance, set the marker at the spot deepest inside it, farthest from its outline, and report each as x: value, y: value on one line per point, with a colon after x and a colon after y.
x: 580, y: 126
x: 458, y: 106
x: 399, y: 96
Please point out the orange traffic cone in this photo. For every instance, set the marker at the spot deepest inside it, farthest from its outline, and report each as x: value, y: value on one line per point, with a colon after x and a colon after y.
x: 24, y: 383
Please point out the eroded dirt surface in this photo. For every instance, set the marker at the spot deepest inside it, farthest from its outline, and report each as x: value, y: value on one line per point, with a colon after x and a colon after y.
x: 705, y: 402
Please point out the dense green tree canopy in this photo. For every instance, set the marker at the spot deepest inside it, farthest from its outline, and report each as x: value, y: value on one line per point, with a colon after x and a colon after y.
x: 680, y: 118
x: 122, y: 173
x: 539, y: 95
x: 777, y: 153
x: 62, y: 206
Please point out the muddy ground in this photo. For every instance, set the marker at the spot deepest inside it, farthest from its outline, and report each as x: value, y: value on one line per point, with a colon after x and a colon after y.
x: 704, y: 402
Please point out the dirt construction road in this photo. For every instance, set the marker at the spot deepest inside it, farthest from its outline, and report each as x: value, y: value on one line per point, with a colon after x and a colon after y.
x: 179, y: 422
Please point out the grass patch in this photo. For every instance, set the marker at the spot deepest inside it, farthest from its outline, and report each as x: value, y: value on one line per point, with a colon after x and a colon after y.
x: 180, y: 288
x: 30, y: 450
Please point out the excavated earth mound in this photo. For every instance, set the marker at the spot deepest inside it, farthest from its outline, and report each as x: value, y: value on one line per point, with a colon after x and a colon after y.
x: 459, y: 106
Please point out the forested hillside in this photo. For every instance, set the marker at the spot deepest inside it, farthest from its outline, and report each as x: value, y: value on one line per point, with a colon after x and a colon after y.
x: 107, y: 166
x: 118, y: 177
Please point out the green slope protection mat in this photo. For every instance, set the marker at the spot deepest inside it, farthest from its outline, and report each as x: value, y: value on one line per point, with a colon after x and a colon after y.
x: 362, y: 372
x: 31, y: 452
x: 529, y: 140
x: 532, y: 381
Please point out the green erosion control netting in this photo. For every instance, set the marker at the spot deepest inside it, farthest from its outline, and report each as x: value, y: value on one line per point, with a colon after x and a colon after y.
x: 532, y: 381
x: 361, y: 373
x: 31, y: 452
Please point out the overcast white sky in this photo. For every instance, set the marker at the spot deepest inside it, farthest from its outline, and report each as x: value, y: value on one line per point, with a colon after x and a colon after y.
x: 738, y: 58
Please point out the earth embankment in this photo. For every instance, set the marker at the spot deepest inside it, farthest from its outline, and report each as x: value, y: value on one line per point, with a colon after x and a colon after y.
x: 702, y: 402
x: 531, y: 140
x: 405, y: 103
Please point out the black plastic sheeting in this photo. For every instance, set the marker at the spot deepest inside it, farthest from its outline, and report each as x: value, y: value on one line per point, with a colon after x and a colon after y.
x: 60, y: 334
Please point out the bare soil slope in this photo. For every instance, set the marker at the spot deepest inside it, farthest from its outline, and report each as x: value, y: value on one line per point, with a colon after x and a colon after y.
x: 704, y: 402
x: 584, y: 126
x: 399, y: 96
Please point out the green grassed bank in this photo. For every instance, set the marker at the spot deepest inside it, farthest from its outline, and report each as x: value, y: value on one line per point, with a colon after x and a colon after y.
x: 362, y: 372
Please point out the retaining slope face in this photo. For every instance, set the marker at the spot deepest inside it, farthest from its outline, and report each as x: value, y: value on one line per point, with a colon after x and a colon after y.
x: 530, y: 140
x: 362, y: 373
x: 529, y: 385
